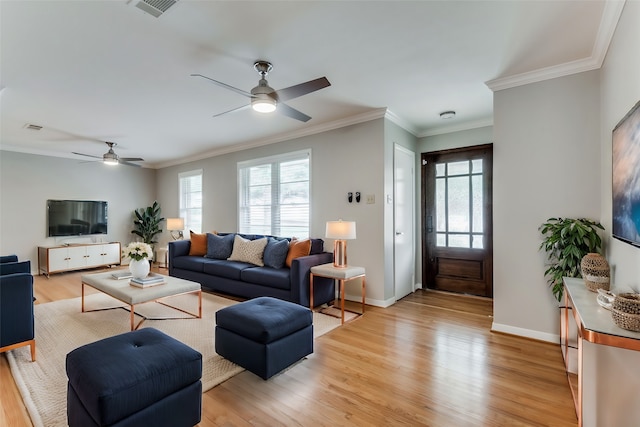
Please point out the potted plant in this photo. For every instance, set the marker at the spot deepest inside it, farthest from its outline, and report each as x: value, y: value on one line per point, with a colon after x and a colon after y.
x: 566, y: 241
x: 147, y: 223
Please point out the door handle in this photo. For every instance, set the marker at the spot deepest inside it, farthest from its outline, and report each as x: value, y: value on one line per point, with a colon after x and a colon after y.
x: 429, y: 224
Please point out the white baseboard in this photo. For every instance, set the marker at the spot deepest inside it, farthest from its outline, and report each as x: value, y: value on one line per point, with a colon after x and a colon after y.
x: 527, y: 333
x: 369, y: 301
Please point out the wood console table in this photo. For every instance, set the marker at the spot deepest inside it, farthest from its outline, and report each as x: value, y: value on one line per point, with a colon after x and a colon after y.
x: 601, y: 360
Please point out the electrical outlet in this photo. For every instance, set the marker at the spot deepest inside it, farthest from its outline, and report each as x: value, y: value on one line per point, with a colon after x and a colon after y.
x: 371, y: 199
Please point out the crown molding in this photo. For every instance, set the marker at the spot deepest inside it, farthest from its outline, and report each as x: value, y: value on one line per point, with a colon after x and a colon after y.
x: 392, y: 117
x: 457, y: 128
x: 299, y: 133
x: 608, y: 22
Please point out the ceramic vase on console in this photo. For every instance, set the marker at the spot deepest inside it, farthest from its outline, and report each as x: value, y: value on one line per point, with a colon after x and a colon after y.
x: 595, y: 272
x: 139, y: 269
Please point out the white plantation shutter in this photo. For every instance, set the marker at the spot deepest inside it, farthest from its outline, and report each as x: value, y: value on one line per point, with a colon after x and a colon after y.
x: 274, y: 195
x: 191, y: 199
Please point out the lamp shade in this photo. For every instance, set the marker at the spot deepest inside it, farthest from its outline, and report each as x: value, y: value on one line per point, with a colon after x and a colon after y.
x: 341, y: 230
x: 175, y: 224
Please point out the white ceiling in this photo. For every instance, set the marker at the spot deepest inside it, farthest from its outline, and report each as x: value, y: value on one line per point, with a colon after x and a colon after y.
x: 90, y: 71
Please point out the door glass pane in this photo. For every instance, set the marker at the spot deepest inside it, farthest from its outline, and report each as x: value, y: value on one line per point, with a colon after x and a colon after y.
x: 440, y: 169
x: 441, y: 217
x: 476, y: 166
x: 458, y: 240
x: 458, y: 168
x: 441, y: 239
x: 478, y: 220
x: 477, y: 242
x: 458, y: 204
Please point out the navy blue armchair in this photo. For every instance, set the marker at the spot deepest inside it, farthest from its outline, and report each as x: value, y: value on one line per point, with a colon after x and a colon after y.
x: 16, y: 305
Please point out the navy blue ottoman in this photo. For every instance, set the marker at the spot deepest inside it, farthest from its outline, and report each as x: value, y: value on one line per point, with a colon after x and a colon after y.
x: 264, y: 335
x: 139, y: 378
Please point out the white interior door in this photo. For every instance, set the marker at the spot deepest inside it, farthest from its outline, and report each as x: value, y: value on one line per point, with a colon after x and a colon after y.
x: 404, y: 221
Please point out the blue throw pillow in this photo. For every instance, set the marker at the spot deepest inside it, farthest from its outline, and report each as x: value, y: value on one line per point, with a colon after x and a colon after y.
x: 275, y: 253
x: 219, y: 247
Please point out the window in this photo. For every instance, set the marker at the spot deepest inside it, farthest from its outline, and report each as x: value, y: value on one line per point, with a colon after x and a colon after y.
x: 459, y: 204
x: 274, y: 195
x: 191, y: 199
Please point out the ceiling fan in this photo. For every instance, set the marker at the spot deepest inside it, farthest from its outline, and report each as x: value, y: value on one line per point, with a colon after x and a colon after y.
x: 265, y: 99
x: 111, y: 158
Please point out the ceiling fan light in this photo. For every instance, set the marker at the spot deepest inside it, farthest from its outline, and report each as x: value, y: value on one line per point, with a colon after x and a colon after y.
x: 110, y: 162
x: 264, y: 105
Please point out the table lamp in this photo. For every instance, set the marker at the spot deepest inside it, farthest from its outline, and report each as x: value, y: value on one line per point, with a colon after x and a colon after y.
x: 175, y: 225
x: 341, y: 231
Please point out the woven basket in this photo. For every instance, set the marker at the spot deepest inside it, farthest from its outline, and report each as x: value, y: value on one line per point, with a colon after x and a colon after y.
x: 595, y: 272
x: 630, y: 322
x: 627, y: 303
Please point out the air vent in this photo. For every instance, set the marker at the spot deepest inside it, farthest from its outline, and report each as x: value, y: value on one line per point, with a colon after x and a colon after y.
x: 155, y: 7
x: 32, y: 127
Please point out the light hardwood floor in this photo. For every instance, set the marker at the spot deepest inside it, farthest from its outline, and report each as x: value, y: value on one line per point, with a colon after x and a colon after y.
x: 429, y: 360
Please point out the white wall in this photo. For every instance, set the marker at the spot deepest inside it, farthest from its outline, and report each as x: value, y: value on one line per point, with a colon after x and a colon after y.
x: 620, y: 90
x: 546, y: 164
x: 28, y: 180
x: 342, y: 160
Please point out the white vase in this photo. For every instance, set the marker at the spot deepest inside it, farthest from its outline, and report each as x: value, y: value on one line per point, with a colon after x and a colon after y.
x: 139, y: 269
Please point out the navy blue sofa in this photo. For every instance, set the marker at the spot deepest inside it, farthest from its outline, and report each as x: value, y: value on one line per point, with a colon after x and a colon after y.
x: 250, y: 281
x: 16, y: 305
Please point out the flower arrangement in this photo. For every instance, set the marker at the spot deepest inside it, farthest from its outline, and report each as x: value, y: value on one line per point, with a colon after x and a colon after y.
x: 137, y: 251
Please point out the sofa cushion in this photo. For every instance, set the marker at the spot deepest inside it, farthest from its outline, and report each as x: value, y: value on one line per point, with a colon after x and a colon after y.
x: 266, y: 276
x: 198, y: 244
x: 275, y: 253
x: 226, y: 269
x: 191, y: 263
x: 250, y: 251
x: 219, y: 247
x: 317, y: 246
x: 297, y: 249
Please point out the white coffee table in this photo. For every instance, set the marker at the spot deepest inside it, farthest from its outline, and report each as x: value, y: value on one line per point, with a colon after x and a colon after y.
x: 132, y: 296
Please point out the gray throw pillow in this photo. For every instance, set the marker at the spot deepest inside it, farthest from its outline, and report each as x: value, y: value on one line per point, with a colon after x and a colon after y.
x: 219, y: 247
x: 275, y: 253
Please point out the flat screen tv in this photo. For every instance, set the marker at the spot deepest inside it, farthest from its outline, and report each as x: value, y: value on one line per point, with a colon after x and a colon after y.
x: 76, y: 217
x: 626, y: 178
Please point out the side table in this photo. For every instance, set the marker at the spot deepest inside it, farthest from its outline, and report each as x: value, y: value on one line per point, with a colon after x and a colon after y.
x: 342, y: 275
x: 161, y: 258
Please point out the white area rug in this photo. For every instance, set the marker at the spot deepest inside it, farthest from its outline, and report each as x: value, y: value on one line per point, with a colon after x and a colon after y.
x: 61, y: 327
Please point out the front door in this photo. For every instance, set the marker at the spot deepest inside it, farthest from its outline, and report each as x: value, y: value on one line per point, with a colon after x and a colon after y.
x: 457, y: 243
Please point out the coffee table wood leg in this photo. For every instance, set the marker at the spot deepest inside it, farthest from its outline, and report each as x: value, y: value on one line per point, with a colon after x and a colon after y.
x: 200, y: 304
x: 131, y: 315
x: 83, y: 297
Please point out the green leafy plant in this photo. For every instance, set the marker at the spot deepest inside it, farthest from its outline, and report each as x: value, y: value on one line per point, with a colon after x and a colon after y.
x: 147, y: 223
x: 566, y: 242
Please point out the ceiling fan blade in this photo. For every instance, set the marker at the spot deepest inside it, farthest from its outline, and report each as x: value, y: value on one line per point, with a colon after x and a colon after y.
x: 131, y: 159
x: 284, y: 109
x: 235, y: 109
x: 224, y: 85
x: 88, y: 155
x: 301, y: 89
x: 128, y: 164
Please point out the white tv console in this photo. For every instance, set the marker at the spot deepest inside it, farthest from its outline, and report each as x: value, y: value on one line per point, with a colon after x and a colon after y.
x: 57, y: 259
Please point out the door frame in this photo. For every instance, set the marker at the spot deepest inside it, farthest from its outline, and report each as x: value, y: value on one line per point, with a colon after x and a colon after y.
x: 423, y: 212
x: 412, y: 231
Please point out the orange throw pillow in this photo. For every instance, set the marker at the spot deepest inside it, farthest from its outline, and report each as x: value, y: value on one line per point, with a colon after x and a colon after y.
x: 198, y: 244
x: 297, y: 249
